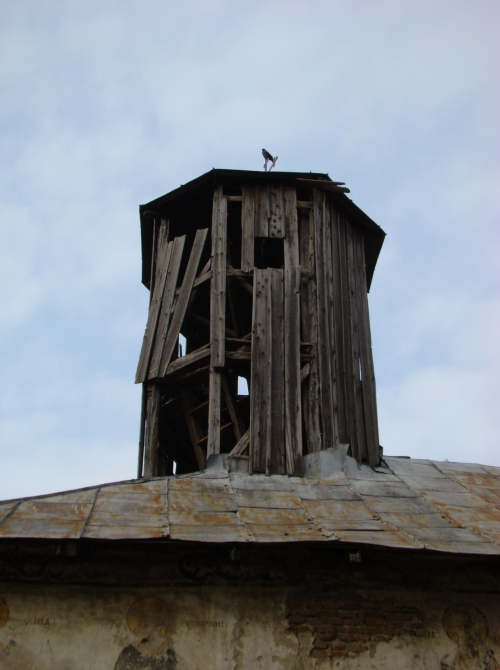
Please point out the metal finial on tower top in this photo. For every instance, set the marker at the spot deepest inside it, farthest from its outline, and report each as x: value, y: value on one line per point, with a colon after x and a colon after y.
x: 268, y: 157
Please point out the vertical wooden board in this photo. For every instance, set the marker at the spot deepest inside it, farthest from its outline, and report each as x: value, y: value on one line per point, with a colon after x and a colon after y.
x: 355, y: 353
x: 329, y: 295
x: 275, y: 455
x: 195, y: 432
x: 213, y: 443
x: 154, y: 313
x: 218, y: 282
x: 183, y: 300
x: 260, y: 374
x: 291, y: 242
x: 293, y: 406
x: 349, y: 389
x: 338, y: 325
x: 276, y: 211
x: 248, y: 227
x: 324, y: 362
x: 367, y: 368
x: 152, y: 430
x: 166, y: 306
x: 262, y: 210
x: 304, y: 216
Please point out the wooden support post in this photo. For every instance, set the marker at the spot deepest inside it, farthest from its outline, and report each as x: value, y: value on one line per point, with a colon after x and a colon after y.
x: 367, y: 369
x: 214, y: 428
x: 218, y: 293
x: 275, y: 449
x: 248, y: 228
x: 292, y: 278
x: 152, y: 430
x: 324, y: 355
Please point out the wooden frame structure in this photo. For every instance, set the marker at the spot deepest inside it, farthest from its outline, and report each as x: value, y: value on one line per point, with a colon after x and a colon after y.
x: 266, y: 276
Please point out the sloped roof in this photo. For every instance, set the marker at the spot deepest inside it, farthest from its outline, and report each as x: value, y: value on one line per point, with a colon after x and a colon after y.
x: 419, y: 504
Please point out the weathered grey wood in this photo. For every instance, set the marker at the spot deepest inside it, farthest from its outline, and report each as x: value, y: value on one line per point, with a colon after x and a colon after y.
x: 188, y: 359
x: 195, y: 431
x: 350, y: 399
x: 247, y: 228
x: 241, y: 445
x: 329, y: 295
x: 153, y: 316
x: 260, y: 397
x: 367, y: 369
x: 339, y: 326
x: 206, y: 322
x: 184, y: 295
x: 276, y: 211
x: 355, y: 352
x: 304, y: 373
x: 218, y: 293
x: 166, y: 306
x: 262, y: 210
x: 214, y: 427
x: 291, y: 242
x: 234, y: 412
x: 152, y: 430
x: 293, y: 406
x: 275, y: 449
x: 324, y: 358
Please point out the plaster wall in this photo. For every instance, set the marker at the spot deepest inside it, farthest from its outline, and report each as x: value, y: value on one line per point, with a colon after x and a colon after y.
x: 344, y: 617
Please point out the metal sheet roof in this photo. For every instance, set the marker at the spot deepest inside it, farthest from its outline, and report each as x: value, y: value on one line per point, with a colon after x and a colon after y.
x: 419, y: 504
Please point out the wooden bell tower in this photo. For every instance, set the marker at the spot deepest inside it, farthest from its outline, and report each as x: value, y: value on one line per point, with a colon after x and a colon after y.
x: 266, y: 276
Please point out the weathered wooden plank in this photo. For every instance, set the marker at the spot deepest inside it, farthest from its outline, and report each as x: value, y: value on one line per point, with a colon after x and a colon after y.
x: 234, y: 308
x: 365, y: 351
x: 195, y: 431
x: 218, y: 292
x: 291, y: 242
x: 262, y: 210
x: 188, y: 359
x: 182, y: 303
x: 330, y: 307
x: 275, y: 448
x: 214, y: 426
x: 314, y: 422
x: 276, y: 211
x: 248, y: 228
x: 304, y: 216
x: 293, y: 407
x: 354, y: 368
x: 153, y: 317
x: 324, y: 357
x: 152, y: 430
x: 240, y: 446
x: 166, y: 307
x: 260, y: 397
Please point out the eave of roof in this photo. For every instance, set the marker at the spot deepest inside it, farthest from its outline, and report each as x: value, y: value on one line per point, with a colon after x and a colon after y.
x: 413, y: 504
x: 208, y: 181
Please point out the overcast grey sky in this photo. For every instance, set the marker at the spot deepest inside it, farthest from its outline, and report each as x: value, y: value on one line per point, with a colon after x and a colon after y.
x: 106, y: 105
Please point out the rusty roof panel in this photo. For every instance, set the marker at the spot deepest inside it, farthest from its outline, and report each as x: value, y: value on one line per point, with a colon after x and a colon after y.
x: 442, y: 506
x: 270, y: 499
x: 323, y: 492
x: 202, y: 502
x: 123, y: 532
x: 387, y: 538
x: 226, y: 533
x: 289, y: 533
x: 260, y: 515
x: 64, y: 529
x: 382, y: 489
x: 184, y: 517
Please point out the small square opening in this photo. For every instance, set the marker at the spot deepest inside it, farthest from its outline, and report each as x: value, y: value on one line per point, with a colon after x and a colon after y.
x: 269, y: 252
